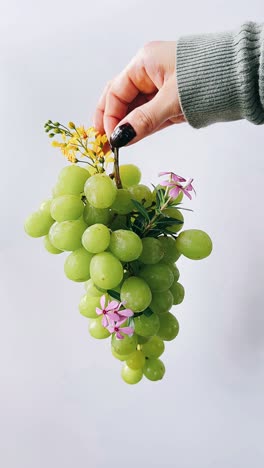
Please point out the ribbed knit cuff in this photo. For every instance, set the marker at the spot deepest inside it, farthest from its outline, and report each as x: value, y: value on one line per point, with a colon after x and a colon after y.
x: 221, y: 76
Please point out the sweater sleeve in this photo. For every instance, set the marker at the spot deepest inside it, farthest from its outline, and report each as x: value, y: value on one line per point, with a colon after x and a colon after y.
x: 221, y: 76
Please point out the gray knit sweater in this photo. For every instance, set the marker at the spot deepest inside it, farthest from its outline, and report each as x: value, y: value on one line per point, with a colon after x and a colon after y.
x: 221, y: 76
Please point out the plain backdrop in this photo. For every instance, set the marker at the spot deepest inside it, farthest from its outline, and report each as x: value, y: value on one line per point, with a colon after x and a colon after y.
x: 63, y: 403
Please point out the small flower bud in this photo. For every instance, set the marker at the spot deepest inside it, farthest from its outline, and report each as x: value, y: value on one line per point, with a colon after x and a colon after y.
x: 57, y: 130
x: 47, y: 129
x: 57, y: 124
x: 71, y: 125
x: 51, y: 135
x: 49, y: 121
x: 101, y: 160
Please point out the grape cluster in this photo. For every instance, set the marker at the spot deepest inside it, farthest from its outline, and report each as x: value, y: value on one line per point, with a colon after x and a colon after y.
x: 124, y: 243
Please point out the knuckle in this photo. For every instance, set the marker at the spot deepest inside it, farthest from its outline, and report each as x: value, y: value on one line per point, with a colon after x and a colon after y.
x: 144, y: 120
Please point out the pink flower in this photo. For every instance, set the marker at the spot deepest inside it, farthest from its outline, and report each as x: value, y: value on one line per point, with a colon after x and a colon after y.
x: 120, y: 331
x: 109, y: 312
x: 176, y: 186
x: 125, y: 313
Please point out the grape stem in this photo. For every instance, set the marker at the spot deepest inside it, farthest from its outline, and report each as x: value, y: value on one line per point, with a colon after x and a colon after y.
x: 116, y: 169
x: 151, y: 224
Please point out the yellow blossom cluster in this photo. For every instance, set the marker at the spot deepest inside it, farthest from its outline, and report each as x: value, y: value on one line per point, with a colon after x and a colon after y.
x: 84, y: 142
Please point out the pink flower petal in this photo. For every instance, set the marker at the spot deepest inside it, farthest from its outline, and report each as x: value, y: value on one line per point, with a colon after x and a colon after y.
x: 98, y: 311
x: 164, y: 173
x: 177, y: 178
x: 102, y: 301
x: 186, y: 193
x: 111, y: 328
x: 112, y: 305
x: 174, y: 192
x: 113, y: 316
x: 127, y: 330
x: 119, y: 336
x: 104, y: 321
x: 120, y: 322
x: 165, y: 183
x: 126, y: 312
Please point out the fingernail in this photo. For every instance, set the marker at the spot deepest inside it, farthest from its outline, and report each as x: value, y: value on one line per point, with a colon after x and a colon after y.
x: 122, y: 135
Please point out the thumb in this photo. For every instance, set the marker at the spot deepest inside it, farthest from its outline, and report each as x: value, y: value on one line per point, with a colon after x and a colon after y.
x: 149, y: 117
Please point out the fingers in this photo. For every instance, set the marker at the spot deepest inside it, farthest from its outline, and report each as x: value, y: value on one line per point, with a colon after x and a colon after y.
x: 98, y: 118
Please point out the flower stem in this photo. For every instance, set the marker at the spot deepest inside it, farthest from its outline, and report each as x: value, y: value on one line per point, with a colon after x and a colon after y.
x: 116, y: 169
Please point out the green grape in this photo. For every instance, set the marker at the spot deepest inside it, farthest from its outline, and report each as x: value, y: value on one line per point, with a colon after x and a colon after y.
x: 122, y: 204
x: 174, y: 270
x: 154, y: 348
x: 125, y: 346
x: 136, y: 294
x: 178, y: 292
x: 120, y: 357
x: 131, y: 376
x: 154, y: 369
x: 136, y: 360
x: 49, y: 247
x: 71, y: 181
x: 97, y: 330
x: 152, y: 251
x: 100, y: 191
x: 118, y: 222
x: 96, y: 238
x: 171, y: 253
x: 159, y: 276
x: 143, y: 339
x: 66, y: 207
x: 92, y: 290
x: 147, y: 325
x: 87, y: 306
x: 68, y: 234
x: 169, y: 327
x: 130, y: 174
x: 38, y: 224
x: 161, y: 302
x: 77, y: 265
x: 45, y: 205
x: 176, y: 214
x: 194, y: 244
x: 106, y: 270
x: 141, y: 193
x: 92, y: 215
x: 125, y: 245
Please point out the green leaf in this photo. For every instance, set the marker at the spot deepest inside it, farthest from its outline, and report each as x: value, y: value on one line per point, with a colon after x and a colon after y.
x: 141, y: 209
x: 160, y: 198
x: 114, y: 294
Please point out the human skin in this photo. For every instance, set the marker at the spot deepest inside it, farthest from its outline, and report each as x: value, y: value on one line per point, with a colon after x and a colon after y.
x: 143, y: 95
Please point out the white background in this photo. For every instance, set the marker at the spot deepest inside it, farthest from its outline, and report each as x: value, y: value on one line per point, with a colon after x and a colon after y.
x: 63, y: 403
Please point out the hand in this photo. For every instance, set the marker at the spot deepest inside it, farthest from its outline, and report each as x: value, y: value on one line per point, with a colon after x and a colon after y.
x: 143, y: 98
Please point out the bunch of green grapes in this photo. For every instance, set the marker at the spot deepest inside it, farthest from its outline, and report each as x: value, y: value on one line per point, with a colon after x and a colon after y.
x: 122, y: 267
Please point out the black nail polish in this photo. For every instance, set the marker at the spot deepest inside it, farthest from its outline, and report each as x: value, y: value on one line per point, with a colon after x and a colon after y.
x: 122, y: 135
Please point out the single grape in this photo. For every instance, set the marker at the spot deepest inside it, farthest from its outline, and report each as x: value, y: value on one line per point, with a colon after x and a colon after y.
x: 77, y: 265
x: 152, y: 251
x: 169, y: 327
x: 106, y: 270
x: 174, y: 270
x: 100, y: 191
x: 125, y: 245
x: 141, y: 193
x: 92, y: 290
x: 97, y: 330
x: 71, y: 181
x: 171, y: 253
x: 161, y: 301
x: 136, y: 360
x: 125, y: 346
x: 87, y: 306
x: 120, y: 357
x: 66, y: 207
x: 130, y: 174
x: 178, y: 292
x: 131, y: 376
x: 122, y: 204
x: 176, y: 214
x: 96, y: 238
x: 92, y: 215
x: 194, y: 244
x: 154, y: 369
x: 38, y: 224
x: 154, y: 348
x: 68, y: 234
x: 136, y: 294
x: 49, y: 247
x: 45, y: 206
x: 147, y: 325
x: 159, y: 276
